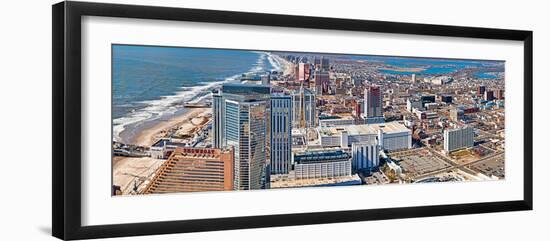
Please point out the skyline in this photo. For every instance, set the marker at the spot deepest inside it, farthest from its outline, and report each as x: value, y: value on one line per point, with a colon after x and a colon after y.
x: 376, y: 118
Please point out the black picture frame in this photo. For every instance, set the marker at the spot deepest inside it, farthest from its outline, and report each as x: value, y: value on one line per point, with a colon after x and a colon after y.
x: 66, y: 158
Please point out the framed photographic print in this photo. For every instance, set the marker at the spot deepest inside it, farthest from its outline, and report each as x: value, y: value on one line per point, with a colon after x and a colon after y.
x: 170, y: 120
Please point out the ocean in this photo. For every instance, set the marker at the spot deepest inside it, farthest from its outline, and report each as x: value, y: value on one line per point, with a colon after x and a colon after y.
x: 151, y: 83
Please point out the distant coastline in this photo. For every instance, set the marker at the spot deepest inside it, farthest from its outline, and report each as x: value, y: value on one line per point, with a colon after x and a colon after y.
x: 412, y: 70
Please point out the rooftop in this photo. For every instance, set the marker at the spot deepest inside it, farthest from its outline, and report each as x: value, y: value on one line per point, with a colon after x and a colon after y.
x: 320, y: 156
x: 388, y: 127
x: 246, y: 89
x: 166, y: 142
x: 336, y: 117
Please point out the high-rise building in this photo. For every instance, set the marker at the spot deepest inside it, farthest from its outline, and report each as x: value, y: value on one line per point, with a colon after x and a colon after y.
x: 358, y: 108
x: 481, y: 90
x: 489, y: 95
x: 459, y: 138
x: 217, y: 119
x: 190, y: 169
x: 413, y: 78
x: 374, y: 112
x: 303, y: 72
x: 245, y: 124
x: 322, y: 82
x: 364, y: 155
x: 303, y: 109
x: 317, y: 62
x: 456, y: 114
x: 325, y: 64
x: 425, y: 99
x: 281, y: 133
x: 499, y: 94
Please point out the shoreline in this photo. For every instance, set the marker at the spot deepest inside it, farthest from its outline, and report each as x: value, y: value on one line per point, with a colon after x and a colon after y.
x: 147, y: 132
x: 148, y: 136
x: 403, y: 70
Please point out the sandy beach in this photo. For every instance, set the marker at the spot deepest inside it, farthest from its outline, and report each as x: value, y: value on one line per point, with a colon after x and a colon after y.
x: 286, y: 66
x: 129, y: 171
x: 184, y: 123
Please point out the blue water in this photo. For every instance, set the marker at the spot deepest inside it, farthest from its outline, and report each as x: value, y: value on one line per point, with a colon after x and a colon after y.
x: 428, y: 71
x: 148, y: 81
x: 432, y: 66
x: 483, y: 75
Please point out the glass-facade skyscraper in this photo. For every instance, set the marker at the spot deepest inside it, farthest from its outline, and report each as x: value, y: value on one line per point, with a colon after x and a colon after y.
x: 217, y: 119
x: 245, y: 115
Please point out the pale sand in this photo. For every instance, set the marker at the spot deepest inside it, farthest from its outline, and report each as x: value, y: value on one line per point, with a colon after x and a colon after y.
x: 127, y: 170
x: 287, y: 66
x: 148, y: 136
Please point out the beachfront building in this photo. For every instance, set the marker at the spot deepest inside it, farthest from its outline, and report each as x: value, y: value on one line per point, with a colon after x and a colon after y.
x: 303, y: 72
x: 390, y: 136
x: 281, y: 133
x: 245, y: 118
x: 459, y: 138
x: 364, y: 155
x: 303, y: 109
x: 191, y: 169
x: 329, y: 163
x: 164, y: 147
x: 374, y: 112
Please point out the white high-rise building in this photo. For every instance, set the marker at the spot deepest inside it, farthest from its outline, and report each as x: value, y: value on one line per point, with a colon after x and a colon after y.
x: 459, y: 138
x: 364, y: 155
x: 281, y: 133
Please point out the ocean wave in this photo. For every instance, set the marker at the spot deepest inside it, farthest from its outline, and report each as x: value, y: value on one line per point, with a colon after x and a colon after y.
x: 169, y: 104
x: 260, y: 62
x: 275, y: 62
x: 166, y: 105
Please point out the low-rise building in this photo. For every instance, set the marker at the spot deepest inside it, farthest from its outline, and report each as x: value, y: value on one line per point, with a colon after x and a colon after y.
x: 390, y: 136
x: 322, y: 164
x: 164, y: 147
x: 326, y: 121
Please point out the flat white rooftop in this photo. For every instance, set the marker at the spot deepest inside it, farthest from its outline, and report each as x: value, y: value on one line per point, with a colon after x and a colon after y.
x: 364, y: 129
